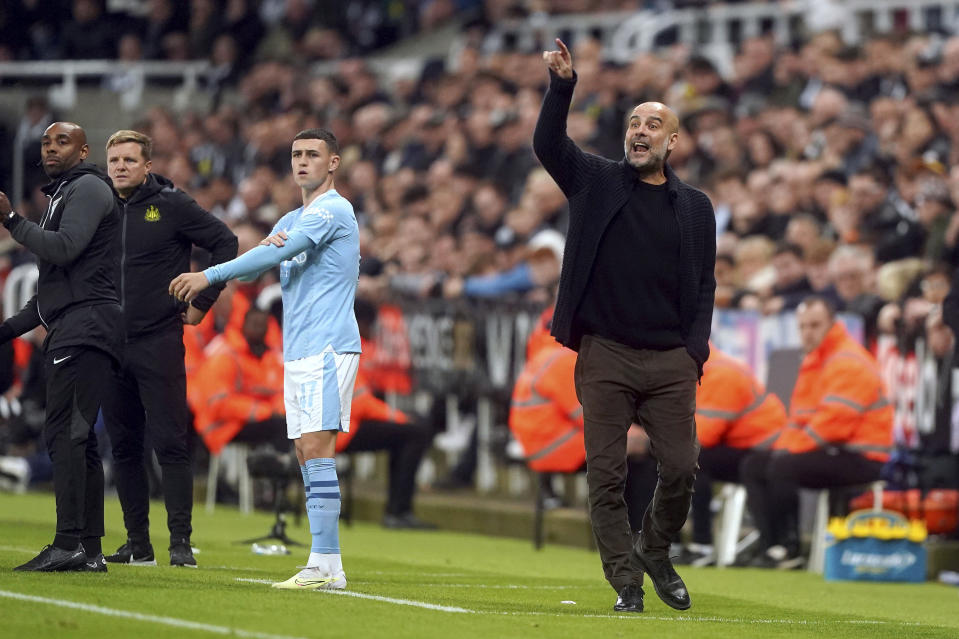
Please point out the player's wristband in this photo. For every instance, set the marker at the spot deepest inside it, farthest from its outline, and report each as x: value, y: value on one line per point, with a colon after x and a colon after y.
x: 10, y: 219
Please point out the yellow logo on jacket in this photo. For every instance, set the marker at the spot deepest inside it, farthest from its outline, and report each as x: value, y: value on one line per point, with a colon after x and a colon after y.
x: 152, y: 214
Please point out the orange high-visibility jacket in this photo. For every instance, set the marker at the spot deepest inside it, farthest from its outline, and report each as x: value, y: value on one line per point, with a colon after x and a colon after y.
x: 839, y: 400
x: 365, y: 406
x: 539, y: 337
x: 233, y: 388
x: 733, y: 409
x: 202, y: 340
x: 545, y: 415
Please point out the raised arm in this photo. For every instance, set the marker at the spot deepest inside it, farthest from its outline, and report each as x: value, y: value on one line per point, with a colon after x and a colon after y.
x: 559, y: 155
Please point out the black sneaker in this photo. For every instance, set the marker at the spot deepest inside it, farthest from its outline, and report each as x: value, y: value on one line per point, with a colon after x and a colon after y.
x: 630, y: 599
x: 96, y: 564
x: 52, y: 559
x: 181, y: 554
x: 695, y: 555
x: 134, y: 554
x: 778, y: 558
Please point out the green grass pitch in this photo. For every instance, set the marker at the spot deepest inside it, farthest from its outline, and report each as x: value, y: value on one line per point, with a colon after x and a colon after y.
x: 424, y: 585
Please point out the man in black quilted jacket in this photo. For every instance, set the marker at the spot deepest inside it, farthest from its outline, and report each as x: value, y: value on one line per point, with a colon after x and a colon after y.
x: 635, y: 300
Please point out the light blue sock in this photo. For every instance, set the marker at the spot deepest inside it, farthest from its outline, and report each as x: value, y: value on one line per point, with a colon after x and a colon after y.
x: 323, y: 505
x: 306, y: 479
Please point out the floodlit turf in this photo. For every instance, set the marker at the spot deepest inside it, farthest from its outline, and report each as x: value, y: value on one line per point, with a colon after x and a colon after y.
x: 422, y: 584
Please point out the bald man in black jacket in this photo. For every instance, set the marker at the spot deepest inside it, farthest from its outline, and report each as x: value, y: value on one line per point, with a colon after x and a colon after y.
x: 76, y: 244
x: 635, y: 300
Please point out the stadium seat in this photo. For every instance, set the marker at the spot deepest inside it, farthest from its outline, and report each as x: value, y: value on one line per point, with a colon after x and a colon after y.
x: 817, y: 551
x: 732, y: 511
x: 237, y: 453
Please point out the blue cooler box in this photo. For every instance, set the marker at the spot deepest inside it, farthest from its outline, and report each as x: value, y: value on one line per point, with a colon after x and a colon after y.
x: 875, y: 546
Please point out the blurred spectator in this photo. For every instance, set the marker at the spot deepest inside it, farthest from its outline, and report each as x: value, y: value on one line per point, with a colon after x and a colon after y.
x: 851, y: 270
x: 883, y: 223
x: 205, y: 23
x: 37, y: 116
x: 791, y: 285
x: 162, y: 20
x: 89, y: 35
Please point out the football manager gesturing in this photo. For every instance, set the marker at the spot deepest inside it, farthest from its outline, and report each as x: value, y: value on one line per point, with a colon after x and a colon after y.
x: 635, y: 300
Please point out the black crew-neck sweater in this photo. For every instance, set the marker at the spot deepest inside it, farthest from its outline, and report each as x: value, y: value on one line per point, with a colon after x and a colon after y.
x: 633, y: 291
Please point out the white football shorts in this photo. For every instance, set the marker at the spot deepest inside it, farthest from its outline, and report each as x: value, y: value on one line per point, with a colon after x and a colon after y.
x: 318, y: 391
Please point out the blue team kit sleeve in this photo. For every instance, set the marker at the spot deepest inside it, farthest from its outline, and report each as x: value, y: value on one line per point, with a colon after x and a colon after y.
x: 323, y: 219
x: 259, y: 258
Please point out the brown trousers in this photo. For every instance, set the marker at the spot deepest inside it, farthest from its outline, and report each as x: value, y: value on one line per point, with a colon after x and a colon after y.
x: 618, y: 385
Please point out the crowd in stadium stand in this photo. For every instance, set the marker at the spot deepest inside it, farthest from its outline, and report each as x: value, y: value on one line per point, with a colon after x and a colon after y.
x: 802, y: 150
x: 833, y: 168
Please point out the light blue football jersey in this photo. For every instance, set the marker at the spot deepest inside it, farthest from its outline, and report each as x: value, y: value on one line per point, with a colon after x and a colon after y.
x: 319, y: 284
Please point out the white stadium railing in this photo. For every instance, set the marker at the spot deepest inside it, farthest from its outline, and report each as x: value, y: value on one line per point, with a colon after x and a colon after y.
x: 66, y: 74
x: 715, y: 30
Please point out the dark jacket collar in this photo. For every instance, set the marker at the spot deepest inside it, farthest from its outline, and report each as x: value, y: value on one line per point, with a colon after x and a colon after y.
x: 84, y: 168
x: 153, y: 185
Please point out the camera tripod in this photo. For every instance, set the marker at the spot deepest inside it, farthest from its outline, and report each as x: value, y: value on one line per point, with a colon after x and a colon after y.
x: 278, y: 531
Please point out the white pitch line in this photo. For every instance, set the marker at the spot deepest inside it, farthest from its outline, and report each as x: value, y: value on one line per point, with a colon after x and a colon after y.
x: 166, y: 621
x: 438, y: 585
x: 401, y: 602
x: 360, y: 595
x: 638, y: 617
x: 18, y: 549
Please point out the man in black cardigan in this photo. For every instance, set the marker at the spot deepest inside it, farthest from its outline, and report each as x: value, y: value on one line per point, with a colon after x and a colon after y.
x: 635, y: 299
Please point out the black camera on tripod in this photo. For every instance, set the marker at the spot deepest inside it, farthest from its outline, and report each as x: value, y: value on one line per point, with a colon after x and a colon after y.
x: 279, y: 468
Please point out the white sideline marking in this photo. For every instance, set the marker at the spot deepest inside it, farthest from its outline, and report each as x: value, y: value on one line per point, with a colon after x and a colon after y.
x: 360, y: 595
x: 637, y: 617
x: 488, y: 586
x: 18, y: 549
x: 166, y: 621
x: 401, y: 602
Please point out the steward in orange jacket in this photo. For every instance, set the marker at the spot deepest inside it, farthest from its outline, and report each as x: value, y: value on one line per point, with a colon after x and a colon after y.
x: 839, y: 401
x: 735, y: 415
x: 225, y: 318
x: 365, y: 407
x: 733, y: 408
x: 240, y: 386
x: 375, y: 425
x: 839, y: 433
x: 545, y: 415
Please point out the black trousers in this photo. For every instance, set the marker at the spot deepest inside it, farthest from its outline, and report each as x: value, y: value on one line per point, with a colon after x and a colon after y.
x: 719, y: 463
x: 407, y: 444
x: 148, y: 405
x: 270, y: 431
x: 641, y: 479
x: 618, y: 385
x: 773, y: 480
x: 77, y: 380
